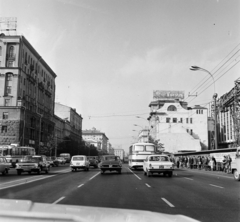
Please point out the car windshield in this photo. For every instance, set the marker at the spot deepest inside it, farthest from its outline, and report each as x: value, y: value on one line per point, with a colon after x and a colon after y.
x: 109, y: 158
x: 77, y: 158
x: 31, y: 159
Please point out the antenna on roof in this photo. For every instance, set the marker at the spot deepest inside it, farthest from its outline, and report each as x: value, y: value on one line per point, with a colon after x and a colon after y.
x: 8, y: 24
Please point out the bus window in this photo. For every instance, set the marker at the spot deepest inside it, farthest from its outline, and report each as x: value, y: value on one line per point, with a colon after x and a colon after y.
x: 138, y: 148
x: 150, y: 148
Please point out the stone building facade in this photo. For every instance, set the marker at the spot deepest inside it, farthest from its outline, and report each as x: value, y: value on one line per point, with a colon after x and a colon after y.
x: 27, y: 94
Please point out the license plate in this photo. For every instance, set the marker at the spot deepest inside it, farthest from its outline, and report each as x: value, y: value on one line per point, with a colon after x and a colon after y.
x: 161, y: 167
x: 110, y: 165
x: 78, y: 163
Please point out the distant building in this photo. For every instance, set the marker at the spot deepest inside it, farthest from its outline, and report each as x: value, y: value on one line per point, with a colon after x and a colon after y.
x: 97, y: 135
x: 120, y: 153
x: 143, y: 136
x: 68, y: 128
x: 27, y: 94
x: 178, y: 127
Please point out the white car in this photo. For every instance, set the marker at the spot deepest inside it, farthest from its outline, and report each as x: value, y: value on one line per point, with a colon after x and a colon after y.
x: 79, y: 162
x: 4, y: 165
x: 158, y: 164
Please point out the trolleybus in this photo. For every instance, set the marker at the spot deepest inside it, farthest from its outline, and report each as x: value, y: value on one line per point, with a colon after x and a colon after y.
x: 14, y: 153
x: 138, y: 152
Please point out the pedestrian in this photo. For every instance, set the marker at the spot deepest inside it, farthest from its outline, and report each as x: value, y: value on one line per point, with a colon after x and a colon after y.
x: 224, y: 163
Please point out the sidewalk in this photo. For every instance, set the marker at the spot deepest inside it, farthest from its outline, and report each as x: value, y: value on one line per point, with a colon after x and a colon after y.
x: 219, y: 173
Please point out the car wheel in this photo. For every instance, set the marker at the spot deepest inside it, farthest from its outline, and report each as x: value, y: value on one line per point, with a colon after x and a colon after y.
x: 102, y: 172
x: 148, y: 173
x: 4, y: 172
x: 170, y: 174
x: 29, y: 172
x: 46, y: 171
x: 164, y: 174
x: 236, y: 175
x: 119, y: 171
x: 144, y: 172
x: 19, y: 172
x: 39, y: 171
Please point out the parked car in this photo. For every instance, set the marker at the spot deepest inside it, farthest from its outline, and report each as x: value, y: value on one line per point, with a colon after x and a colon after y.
x: 36, y: 163
x: 79, y: 162
x: 93, y: 161
x: 55, y: 161
x: 157, y: 164
x: 61, y: 160
x: 4, y: 165
x: 110, y: 163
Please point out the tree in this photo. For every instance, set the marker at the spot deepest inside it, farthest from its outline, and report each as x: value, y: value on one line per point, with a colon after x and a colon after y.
x: 159, y: 146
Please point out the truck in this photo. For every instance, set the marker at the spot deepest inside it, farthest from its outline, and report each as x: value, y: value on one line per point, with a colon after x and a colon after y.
x: 235, y: 165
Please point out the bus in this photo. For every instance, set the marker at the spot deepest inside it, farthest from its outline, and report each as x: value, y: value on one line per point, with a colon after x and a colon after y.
x: 66, y: 156
x: 138, y: 152
x: 14, y: 154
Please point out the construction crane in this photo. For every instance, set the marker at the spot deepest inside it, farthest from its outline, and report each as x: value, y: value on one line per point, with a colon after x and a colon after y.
x: 231, y: 101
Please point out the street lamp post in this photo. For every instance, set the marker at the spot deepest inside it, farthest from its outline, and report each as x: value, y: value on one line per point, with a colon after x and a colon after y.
x: 196, y: 68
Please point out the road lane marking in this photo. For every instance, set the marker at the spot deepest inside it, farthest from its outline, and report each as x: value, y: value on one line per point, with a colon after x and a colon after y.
x: 147, y: 185
x: 187, y: 178
x: 80, y: 185
x: 136, y: 175
x: 94, y: 176
x: 62, y: 171
x: 18, y: 184
x: 57, y: 201
x: 216, y: 186
x: 166, y: 201
x: 18, y: 180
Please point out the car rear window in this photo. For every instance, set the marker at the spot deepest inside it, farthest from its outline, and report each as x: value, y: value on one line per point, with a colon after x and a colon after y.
x: 78, y: 158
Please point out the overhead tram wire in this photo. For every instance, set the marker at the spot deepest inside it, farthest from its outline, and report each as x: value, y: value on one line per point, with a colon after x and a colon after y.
x: 216, y: 79
x: 117, y: 115
x: 192, y: 91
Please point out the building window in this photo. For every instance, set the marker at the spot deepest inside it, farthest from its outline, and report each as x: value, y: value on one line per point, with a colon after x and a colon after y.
x: 191, y: 133
x: 174, y: 120
x: 186, y: 120
x: 5, y: 115
x: 180, y: 120
x: 190, y: 120
x: 168, y: 120
x: 187, y: 130
x: 172, y: 108
x: 11, y: 51
x: 7, y: 102
x: 197, y: 111
x: 0, y: 50
x: 4, y: 129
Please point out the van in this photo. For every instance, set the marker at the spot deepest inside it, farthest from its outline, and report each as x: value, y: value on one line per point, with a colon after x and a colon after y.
x: 79, y: 162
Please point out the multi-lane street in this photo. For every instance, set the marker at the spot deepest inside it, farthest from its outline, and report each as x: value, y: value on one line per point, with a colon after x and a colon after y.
x: 202, y: 195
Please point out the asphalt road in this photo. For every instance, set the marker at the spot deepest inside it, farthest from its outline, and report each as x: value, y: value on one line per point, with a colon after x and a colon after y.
x: 202, y: 195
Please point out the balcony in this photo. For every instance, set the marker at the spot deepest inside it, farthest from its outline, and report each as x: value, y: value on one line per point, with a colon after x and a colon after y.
x: 11, y: 56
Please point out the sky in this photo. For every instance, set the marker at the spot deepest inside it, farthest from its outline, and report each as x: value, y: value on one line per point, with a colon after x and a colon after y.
x: 109, y: 55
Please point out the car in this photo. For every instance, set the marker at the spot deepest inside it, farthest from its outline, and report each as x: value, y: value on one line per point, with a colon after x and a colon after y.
x: 52, y: 161
x: 93, y: 161
x: 33, y: 163
x: 158, y: 164
x: 79, y: 162
x: 110, y: 163
x: 4, y: 165
x: 61, y: 160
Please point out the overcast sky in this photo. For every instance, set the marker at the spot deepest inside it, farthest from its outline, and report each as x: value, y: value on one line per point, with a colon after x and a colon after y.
x: 109, y: 55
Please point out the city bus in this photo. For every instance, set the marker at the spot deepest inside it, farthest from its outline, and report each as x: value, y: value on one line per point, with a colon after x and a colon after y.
x: 66, y: 156
x: 138, y: 152
x: 14, y: 154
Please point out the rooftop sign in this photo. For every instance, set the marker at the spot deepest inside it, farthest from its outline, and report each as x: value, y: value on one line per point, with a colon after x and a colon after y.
x: 167, y: 94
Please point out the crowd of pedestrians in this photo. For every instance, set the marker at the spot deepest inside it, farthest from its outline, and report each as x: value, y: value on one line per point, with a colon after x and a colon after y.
x: 203, y: 163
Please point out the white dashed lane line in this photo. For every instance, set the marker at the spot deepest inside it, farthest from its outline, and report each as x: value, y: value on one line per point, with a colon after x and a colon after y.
x: 216, y: 186
x: 136, y: 175
x: 188, y: 178
x: 80, y: 185
x: 167, y: 202
x: 147, y: 185
x: 94, y: 176
x: 57, y: 201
